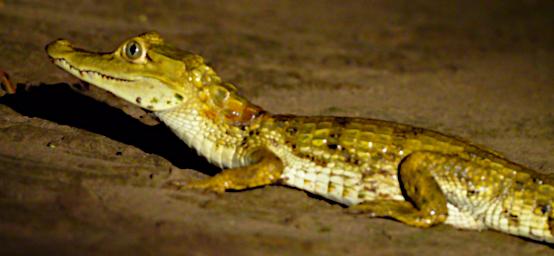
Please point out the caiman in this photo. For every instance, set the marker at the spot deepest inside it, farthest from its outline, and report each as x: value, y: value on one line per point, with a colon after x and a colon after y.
x: 379, y: 168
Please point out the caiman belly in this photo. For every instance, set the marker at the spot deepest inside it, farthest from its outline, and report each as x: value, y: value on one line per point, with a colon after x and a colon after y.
x: 338, y: 181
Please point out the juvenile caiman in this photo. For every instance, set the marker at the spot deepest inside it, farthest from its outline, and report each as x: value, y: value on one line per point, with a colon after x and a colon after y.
x: 417, y: 176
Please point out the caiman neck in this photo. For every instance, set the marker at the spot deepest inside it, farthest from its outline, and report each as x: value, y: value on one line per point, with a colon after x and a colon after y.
x: 220, y: 101
x: 216, y: 121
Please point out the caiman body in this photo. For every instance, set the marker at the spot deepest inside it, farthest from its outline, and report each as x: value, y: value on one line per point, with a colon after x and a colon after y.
x: 379, y: 168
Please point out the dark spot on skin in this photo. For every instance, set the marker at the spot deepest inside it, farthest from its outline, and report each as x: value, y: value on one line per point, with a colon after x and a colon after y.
x: 546, y: 209
x: 551, y: 224
x: 471, y: 192
x: 332, y: 146
x: 293, y: 146
x: 372, y: 189
x: 383, y: 172
x: 347, y: 157
x: 118, y: 153
x: 319, y: 162
x: 138, y: 100
x: 513, y: 219
x: 244, y: 141
x: 342, y: 121
x: 179, y: 97
x: 368, y: 172
x: 154, y: 100
x: 250, y: 133
x: 519, y: 184
x: 415, y: 131
x: 291, y: 130
x: 151, y: 176
x: 168, y: 102
x: 148, y: 58
x: 383, y: 196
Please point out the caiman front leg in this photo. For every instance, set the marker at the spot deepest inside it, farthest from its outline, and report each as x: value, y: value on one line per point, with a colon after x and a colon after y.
x: 265, y: 172
x: 425, y: 204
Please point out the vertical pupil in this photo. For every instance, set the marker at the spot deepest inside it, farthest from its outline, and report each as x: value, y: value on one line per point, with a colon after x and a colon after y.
x: 133, y: 50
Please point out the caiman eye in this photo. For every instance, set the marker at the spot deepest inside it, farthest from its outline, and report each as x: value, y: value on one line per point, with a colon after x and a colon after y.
x: 133, y: 50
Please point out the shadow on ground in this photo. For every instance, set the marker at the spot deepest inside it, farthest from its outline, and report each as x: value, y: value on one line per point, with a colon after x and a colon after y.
x: 60, y: 104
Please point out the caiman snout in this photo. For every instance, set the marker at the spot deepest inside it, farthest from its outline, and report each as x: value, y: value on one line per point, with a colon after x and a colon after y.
x: 58, y: 47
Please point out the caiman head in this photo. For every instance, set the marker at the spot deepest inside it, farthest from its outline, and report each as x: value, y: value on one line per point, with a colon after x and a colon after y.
x: 144, y: 70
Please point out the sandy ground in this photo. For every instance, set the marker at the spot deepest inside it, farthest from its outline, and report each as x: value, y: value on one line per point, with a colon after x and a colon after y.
x: 81, y: 178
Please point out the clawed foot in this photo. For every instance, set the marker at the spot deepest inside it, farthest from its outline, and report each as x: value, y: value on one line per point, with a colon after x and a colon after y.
x: 204, y: 184
x: 383, y: 208
x: 358, y: 210
x: 402, y: 211
x: 267, y: 171
x: 7, y: 87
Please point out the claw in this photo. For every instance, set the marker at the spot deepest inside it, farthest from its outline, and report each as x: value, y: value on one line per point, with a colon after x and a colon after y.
x: 205, y: 186
x: 194, y: 185
x: 357, y: 211
x: 7, y: 87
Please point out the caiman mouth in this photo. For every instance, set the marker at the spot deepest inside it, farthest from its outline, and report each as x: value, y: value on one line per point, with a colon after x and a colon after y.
x: 145, y: 116
x: 82, y: 73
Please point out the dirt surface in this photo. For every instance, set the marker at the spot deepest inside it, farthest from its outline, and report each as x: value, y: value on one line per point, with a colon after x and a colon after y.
x: 79, y: 177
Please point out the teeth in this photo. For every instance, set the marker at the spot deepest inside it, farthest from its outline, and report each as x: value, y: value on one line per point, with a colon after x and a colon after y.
x: 89, y: 73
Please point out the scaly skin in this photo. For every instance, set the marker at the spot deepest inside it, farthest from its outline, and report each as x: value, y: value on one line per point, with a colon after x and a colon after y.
x: 380, y: 168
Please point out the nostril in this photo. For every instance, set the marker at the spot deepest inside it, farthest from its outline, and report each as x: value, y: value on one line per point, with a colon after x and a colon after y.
x: 58, y: 46
x: 62, y: 42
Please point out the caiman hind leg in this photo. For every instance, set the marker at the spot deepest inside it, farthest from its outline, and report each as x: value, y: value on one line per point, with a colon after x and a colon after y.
x: 425, y: 203
x: 265, y: 172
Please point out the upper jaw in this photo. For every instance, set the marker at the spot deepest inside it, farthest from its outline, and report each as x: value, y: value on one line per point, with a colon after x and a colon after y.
x: 63, y: 54
x: 84, y: 73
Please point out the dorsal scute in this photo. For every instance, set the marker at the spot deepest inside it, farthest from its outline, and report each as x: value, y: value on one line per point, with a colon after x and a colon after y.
x: 230, y: 107
x: 202, y: 76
